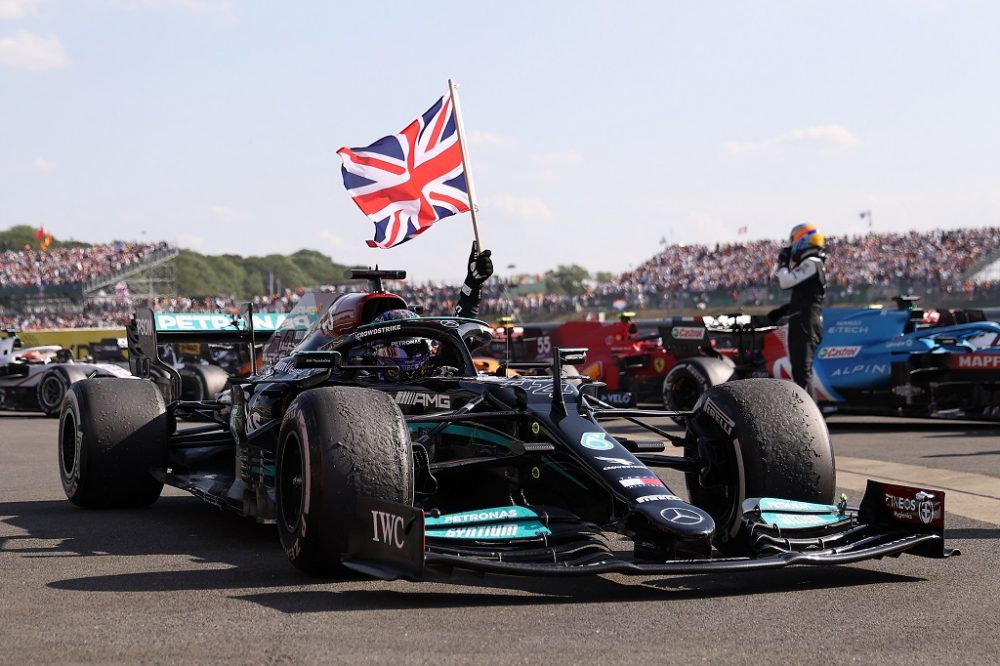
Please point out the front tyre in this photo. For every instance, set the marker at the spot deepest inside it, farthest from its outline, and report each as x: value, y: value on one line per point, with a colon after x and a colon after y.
x: 335, y: 444
x: 112, y: 438
x: 757, y: 438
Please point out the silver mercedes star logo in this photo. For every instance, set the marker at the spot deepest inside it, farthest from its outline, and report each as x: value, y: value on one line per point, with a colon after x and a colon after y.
x: 681, y: 516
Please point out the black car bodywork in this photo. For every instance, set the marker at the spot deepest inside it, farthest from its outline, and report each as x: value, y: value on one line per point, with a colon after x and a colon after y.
x: 369, y: 464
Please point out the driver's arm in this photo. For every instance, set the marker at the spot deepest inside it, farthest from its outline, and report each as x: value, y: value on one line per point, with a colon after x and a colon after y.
x: 480, y: 269
x: 788, y: 278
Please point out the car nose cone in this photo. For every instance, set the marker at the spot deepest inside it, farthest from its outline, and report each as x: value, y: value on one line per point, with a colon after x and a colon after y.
x: 679, y: 515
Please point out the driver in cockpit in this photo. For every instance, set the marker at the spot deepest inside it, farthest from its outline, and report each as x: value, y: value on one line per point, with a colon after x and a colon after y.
x: 415, y: 357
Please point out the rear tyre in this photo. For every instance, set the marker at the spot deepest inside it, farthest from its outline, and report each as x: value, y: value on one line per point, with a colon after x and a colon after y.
x: 758, y: 438
x: 202, y: 382
x: 50, y: 392
x: 112, y: 438
x: 335, y: 444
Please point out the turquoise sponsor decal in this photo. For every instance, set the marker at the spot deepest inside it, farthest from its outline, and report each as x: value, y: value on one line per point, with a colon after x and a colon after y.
x: 498, y: 514
x: 265, y: 322
x: 597, y: 441
x: 497, y: 531
x: 772, y: 504
x: 790, y: 521
x: 500, y: 523
x: 792, y: 514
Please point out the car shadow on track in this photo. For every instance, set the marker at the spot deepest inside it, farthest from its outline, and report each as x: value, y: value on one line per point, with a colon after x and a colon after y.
x: 962, y: 455
x: 941, y: 428
x: 972, y: 533
x: 238, y: 555
x: 247, y: 554
x: 498, y: 591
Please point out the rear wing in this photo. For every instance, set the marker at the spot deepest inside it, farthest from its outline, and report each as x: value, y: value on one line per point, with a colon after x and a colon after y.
x: 149, y: 330
x: 685, y: 336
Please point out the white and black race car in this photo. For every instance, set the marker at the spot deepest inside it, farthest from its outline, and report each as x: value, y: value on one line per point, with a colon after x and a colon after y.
x: 35, y: 379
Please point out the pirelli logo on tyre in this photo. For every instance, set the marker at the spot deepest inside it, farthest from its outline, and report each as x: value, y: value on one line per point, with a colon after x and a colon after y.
x: 726, y: 423
x: 687, y: 333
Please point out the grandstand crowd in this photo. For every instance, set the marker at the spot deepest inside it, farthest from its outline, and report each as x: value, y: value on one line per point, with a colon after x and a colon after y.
x: 71, y: 265
x: 872, y: 266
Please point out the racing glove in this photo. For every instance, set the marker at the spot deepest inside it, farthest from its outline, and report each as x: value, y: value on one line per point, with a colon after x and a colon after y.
x: 784, y: 256
x: 480, y: 269
x: 775, y: 315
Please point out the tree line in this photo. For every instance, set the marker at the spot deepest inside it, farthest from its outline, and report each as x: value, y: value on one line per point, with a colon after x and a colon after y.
x: 244, y: 277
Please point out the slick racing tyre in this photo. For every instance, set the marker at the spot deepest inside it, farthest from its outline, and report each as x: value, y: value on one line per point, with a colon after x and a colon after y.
x: 757, y: 438
x: 335, y: 444
x: 52, y: 388
x: 690, y: 378
x: 112, y: 438
x: 202, y: 382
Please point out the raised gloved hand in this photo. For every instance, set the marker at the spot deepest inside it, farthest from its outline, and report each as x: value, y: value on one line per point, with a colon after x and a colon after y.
x: 775, y: 315
x: 480, y: 265
x: 784, y: 256
x: 480, y: 269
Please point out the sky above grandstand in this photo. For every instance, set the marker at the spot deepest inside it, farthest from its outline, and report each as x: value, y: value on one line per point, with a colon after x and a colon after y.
x: 597, y: 131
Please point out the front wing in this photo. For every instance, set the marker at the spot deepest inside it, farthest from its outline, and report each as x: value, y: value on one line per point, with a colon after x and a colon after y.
x: 391, y: 540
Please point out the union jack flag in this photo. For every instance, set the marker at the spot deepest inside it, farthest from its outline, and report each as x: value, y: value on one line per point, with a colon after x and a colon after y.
x: 408, y: 181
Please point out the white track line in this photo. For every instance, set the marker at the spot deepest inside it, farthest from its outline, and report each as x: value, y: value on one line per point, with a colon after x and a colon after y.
x: 975, y: 496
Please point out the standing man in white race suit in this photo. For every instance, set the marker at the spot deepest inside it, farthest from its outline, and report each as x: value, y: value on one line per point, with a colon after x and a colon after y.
x: 801, y: 269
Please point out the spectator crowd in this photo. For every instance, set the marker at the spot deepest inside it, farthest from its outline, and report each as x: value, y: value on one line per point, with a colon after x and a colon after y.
x: 931, y: 262
x: 872, y: 266
x: 71, y: 265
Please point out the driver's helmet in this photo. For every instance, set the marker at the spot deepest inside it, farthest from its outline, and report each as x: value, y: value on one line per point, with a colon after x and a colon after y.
x: 410, y: 354
x: 33, y: 356
x: 805, y: 240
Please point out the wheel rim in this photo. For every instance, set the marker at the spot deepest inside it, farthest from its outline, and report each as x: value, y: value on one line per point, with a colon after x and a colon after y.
x: 684, y: 393
x: 52, y: 391
x: 67, y: 445
x: 291, y: 474
x: 725, y: 502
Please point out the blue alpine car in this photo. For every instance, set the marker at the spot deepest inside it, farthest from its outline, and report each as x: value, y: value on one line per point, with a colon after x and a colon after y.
x: 902, y: 361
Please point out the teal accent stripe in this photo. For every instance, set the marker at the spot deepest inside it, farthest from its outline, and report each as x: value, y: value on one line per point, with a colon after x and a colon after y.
x: 511, y: 513
x: 493, y: 437
x: 491, y: 532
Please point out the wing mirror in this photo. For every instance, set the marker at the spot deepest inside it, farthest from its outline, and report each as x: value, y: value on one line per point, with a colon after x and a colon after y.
x: 317, y: 359
x: 573, y: 356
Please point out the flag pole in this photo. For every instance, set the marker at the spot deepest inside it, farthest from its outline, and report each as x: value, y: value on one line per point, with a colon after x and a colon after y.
x: 453, y: 89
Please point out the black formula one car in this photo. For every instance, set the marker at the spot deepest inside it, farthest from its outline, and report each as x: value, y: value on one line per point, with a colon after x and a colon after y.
x: 372, y: 442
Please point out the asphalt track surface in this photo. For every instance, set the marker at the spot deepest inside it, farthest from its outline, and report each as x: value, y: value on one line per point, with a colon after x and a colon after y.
x: 183, y: 582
